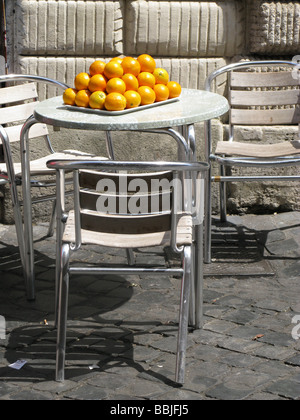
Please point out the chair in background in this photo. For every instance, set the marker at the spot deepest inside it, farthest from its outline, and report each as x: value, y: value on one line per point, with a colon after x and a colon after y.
x: 257, y: 97
x: 131, y: 210
x: 17, y: 103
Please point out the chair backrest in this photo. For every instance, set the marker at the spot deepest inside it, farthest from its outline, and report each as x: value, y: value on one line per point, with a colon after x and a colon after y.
x: 147, y: 201
x: 17, y: 104
x: 259, y: 97
x: 125, y: 203
x: 264, y: 98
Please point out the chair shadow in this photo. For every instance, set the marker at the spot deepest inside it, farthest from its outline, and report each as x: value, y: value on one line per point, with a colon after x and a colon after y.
x: 93, y: 343
x: 237, y: 243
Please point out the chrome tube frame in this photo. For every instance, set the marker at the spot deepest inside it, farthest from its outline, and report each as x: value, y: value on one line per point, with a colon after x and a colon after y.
x: 62, y: 312
x: 71, y: 165
x: 33, y: 78
x: 255, y: 178
x: 191, y: 288
x: 77, y: 244
x: 246, y: 162
x: 27, y: 204
x: 184, y: 315
x: 14, y: 193
x: 24, y: 235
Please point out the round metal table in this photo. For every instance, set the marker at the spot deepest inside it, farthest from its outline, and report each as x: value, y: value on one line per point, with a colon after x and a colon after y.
x: 176, y: 119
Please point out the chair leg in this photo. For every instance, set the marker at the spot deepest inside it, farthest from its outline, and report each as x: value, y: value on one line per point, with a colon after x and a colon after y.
x: 25, y: 257
x: 50, y: 232
x: 183, y: 316
x: 192, y: 298
x: 62, y: 313
x: 207, y: 218
x: 19, y: 229
x: 199, y: 276
x: 223, y: 212
x: 130, y: 256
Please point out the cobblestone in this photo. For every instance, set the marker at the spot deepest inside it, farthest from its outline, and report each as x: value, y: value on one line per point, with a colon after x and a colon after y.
x: 122, y: 331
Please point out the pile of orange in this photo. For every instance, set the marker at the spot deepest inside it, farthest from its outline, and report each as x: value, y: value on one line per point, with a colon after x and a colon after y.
x: 121, y: 83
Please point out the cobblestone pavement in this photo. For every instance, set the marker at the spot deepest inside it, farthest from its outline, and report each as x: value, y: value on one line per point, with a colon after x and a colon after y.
x: 122, y: 331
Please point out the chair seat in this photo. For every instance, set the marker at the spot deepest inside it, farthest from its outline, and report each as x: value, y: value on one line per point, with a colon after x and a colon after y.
x: 184, y: 235
x: 234, y: 148
x: 39, y: 167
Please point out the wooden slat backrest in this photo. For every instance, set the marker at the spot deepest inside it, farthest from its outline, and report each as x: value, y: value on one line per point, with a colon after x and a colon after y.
x: 262, y: 79
x: 90, y: 179
x: 36, y: 130
x: 12, y: 114
x: 155, y: 202
x: 264, y: 98
x: 124, y: 200
x: 131, y: 225
x: 14, y: 111
x: 265, y: 117
x: 22, y: 92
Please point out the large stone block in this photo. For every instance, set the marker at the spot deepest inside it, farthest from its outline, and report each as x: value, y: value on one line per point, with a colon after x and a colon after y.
x: 267, y: 195
x: 66, y: 27
x: 274, y: 27
x: 185, y: 29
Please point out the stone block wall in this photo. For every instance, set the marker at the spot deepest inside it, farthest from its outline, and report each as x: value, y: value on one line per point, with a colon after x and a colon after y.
x: 190, y: 39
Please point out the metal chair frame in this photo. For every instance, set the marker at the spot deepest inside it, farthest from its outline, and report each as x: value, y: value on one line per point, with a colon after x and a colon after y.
x: 191, y: 270
x: 227, y: 161
x: 16, y: 180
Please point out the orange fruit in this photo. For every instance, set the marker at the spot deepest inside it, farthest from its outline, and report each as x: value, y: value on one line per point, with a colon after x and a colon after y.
x: 97, y: 82
x: 115, y: 85
x: 118, y: 59
x: 133, y: 98
x: 161, y: 92
x: 161, y: 75
x: 82, y: 98
x: 147, y: 95
x: 131, y: 81
x: 115, y: 102
x: 131, y: 65
x: 81, y: 81
x: 174, y: 89
x: 97, y: 67
x: 113, y: 69
x: 69, y: 96
x: 146, y: 79
x: 147, y: 62
x: 97, y: 99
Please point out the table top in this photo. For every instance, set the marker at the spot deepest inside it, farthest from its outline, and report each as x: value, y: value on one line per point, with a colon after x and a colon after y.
x: 192, y: 107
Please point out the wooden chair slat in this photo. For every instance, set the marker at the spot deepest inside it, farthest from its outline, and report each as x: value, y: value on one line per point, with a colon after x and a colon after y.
x: 90, y: 179
x: 265, y: 117
x: 11, y: 94
x: 234, y: 148
x: 36, y: 130
x: 16, y: 113
x: 263, y: 79
x: 263, y: 98
x: 183, y: 236
x: 133, y: 225
x: 156, y: 202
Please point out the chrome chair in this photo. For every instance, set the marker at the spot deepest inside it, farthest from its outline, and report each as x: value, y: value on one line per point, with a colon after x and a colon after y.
x: 132, y: 210
x: 17, y: 101
x: 259, y: 93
